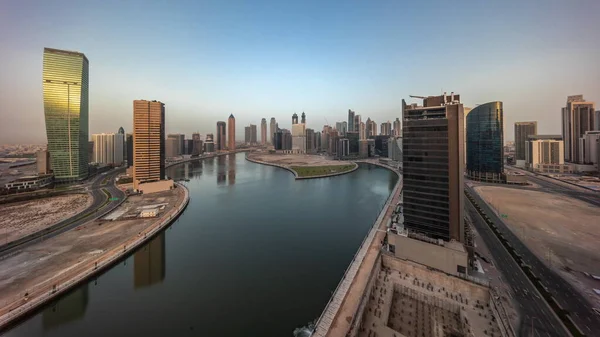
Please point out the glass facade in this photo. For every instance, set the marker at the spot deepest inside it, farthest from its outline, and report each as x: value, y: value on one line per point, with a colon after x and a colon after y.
x: 485, y: 139
x: 65, y: 85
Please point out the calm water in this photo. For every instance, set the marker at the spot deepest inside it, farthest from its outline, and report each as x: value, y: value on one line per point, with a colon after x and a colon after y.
x: 256, y: 253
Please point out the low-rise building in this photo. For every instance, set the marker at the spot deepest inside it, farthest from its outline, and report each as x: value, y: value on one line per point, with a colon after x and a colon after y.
x: 545, y: 154
x: 30, y: 183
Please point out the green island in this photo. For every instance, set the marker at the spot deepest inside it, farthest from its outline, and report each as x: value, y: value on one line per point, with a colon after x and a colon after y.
x: 311, y: 171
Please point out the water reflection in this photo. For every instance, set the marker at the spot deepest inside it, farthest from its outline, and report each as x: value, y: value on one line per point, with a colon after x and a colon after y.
x: 231, y: 168
x: 70, y: 308
x: 149, y: 263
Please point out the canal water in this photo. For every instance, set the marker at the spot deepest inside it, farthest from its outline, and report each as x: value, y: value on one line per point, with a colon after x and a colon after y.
x: 255, y: 253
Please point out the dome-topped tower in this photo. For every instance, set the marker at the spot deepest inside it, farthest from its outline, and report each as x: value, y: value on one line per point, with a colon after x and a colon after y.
x: 295, y: 118
x: 303, y: 120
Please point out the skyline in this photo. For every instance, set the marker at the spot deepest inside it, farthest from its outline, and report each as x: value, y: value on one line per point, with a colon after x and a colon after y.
x: 270, y: 60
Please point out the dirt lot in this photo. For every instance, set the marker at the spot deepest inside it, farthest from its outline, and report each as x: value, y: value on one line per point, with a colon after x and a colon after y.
x: 57, y: 259
x: 298, y: 160
x: 561, y: 231
x: 20, y: 219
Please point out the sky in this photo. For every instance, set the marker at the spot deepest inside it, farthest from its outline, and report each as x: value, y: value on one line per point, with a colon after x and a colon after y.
x: 262, y: 59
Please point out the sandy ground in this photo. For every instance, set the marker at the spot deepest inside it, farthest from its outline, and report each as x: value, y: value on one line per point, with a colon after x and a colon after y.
x: 298, y: 160
x: 57, y: 259
x: 20, y: 219
x: 561, y: 231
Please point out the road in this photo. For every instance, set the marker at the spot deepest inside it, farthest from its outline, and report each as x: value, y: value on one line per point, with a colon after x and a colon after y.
x: 565, y: 294
x: 535, y: 313
x: 99, y: 205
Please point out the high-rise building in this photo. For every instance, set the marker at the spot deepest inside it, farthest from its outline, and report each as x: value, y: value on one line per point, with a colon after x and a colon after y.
x: 545, y: 153
x: 325, y: 138
x: 189, y: 147
x: 108, y: 148
x: 338, y: 127
x: 386, y: 128
x: 272, y: 130
x: 310, y: 141
x: 352, y: 143
x: 357, y: 123
x: 577, y: 118
x: 371, y: 128
x: 294, y: 118
x: 198, y: 147
x: 343, y: 148
x: 397, y: 132
x: 129, y: 138
x: 433, y: 166
x: 395, y: 148
x: 587, y: 147
x: 362, y: 131
x: 171, y: 147
x: 351, y: 120
x: 250, y: 134
x: 209, y: 144
x: 43, y: 162
x: 522, y: 131
x: 263, y: 131
x: 65, y: 86
x: 231, y: 133
x: 179, y: 144
x: 221, y: 136
x: 148, y: 141
x: 124, y: 151
x: 466, y: 111
x: 303, y: 120
x: 485, y: 143
x: 247, y: 135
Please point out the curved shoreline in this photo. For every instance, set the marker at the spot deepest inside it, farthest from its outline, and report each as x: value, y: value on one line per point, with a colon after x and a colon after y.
x: 93, y: 268
x: 296, y: 173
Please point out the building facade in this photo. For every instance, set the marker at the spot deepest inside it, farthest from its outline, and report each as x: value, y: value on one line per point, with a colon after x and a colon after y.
x: 43, y: 162
x: 148, y: 142
x: 221, y: 136
x: 108, y: 148
x: 545, y: 153
x: 231, y: 133
x: 397, y: 131
x: 485, y: 143
x: 263, y: 131
x: 588, y: 148
x: 66, y: 111
x: 386, y: 128
x: 272, y: 130
x: 351, y: 115
x: 577, y: 117
x: 433, y: 166
x: 522, y: 132
x: 129, y: 140
x: 171, y: 147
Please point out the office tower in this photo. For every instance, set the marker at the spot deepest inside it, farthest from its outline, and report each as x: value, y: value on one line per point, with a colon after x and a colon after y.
x: 395, y: 148
x: 363, y: 148
x: 371, y: 128
x: 148, y: 141
x: 221, y: 136
x: 587, y: 147
x: 522, y: 131
x: 368, y: 133
x: 381, y: 145
x: 65, y: 86
x: 397, y: 128
x: 310, y: 141
x: 386, y: 128
x: 180, y: 141
x: 317, y: 141
x: 43, y: 162
x: 171, y: 147
x: 209, y: 144
x: 90, y: 146
x: 231, y: 133
x: 362, y: 132
x: 433, y: 166
x: 272, y: 130
x: 466, y: 111
x: 263, y: 131
x: 357, y: 123
x: 247, y: 135
x: 352, y: 143
x: 108, y: 148
x: 343, y: 148
x: 333, y: 142
x: 338, y: 128
x: 545, y: 153
x: 283, y: 140
x: 124, y: 150
x: 198, y: 148
x: 278, y: 140
x: 299, y: 134
x: 189, y: 146
x: 351, y: 120
x: 577, y: 118
x: 253, y: 138
x: 129, y: 137
x: 485, y: 142
x: 119, y: 155
x: 325, y: 137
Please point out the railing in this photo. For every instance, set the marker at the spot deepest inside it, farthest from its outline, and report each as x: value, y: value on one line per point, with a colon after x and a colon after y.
x: 15, y: 307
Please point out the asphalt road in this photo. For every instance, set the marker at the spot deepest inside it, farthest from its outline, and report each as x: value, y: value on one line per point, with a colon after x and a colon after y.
x: 99, y: 206
x: 565, y: 294
x: 536, y: 316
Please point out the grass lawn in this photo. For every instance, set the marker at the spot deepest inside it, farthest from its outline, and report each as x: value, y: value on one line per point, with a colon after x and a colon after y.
x: 310, y: 171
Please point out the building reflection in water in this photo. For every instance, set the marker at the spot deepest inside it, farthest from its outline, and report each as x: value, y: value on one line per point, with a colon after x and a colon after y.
x: 149, y: 263
x: 186, y: 171
x: 68, y: 309
x: 221, y: 171
x: 231, y: 168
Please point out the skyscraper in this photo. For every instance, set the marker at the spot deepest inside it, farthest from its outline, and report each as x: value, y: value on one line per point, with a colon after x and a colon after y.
x: 356, y: 125
x: 350, y: 120
x: 485, y: 142
x: 179, y: 144
x: 108, y: 148
x: 577, y: 118
x: 171, y: 147
x: 263, y: 131
x: 247, y: 135
x: 303, y: 120
x: 386, y: 128
x: 198, y: 148
x: 148, y: 142
x: 362, y: 131
x: 522, y: 131
x: 272, y: 130
x: 397, y: 132
x: 221, y: 136
x: 231, y: 133
x: 65, y: 86
x: 129, y: 139
x: 295, y: 118
x: 432, y: 157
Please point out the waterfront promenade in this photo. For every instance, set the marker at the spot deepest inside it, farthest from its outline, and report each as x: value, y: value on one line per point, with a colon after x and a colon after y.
x: 338, y: 313
x: 16, y: 305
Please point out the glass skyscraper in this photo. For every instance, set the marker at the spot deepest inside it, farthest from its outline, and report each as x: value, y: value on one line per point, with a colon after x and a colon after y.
x: 485, y: 139
x: 65, y: 85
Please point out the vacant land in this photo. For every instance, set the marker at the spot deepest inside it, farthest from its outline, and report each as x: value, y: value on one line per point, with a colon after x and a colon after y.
x: 312, y: 171
x: 23, y: 218
x: 297, y: 160
x: 561, y: 231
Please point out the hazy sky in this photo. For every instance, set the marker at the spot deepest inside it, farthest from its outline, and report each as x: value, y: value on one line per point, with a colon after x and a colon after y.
x: 255, y: 59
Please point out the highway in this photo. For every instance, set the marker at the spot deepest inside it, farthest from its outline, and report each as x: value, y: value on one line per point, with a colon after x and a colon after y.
x: 537, y: 319
x: 565, y: 294
x: 100, y: 205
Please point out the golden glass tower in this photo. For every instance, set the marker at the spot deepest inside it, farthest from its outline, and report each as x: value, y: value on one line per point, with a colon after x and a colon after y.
x: 65, y: 84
